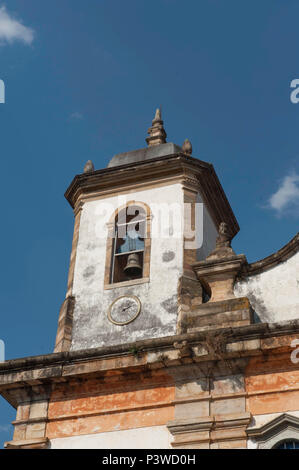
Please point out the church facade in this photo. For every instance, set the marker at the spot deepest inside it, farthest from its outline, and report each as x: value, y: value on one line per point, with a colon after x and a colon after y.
x: 166, y: 338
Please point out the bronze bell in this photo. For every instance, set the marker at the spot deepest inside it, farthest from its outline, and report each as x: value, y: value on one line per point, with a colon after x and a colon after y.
x: 133, y: 267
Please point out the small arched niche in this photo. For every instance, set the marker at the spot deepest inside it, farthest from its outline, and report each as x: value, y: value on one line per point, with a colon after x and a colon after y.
x: 128, y: 246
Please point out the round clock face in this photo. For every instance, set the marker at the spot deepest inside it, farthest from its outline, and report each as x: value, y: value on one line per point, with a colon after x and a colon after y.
x: 124, y: 310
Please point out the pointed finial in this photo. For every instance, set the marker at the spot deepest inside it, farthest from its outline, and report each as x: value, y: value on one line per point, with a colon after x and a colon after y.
x: 158, y: 116
x: 187, y: 147
x: 89, y: 166
x: 157, y: 134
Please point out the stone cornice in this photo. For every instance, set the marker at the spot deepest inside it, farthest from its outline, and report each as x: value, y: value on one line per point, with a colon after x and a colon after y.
x: 39, y: 443
x: 41, y: 369
x: 175, y: 167
x: 286, y: 252
x: 226, y: 264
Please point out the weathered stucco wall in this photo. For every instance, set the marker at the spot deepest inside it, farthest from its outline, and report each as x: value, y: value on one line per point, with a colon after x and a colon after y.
x: 154, y: 437
x: 274, y: 294
x: 272, y: 386
x: 158, y: 316
x: 108, y: 406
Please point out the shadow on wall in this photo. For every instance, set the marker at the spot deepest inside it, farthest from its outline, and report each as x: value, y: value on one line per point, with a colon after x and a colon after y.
x: 259, y: 308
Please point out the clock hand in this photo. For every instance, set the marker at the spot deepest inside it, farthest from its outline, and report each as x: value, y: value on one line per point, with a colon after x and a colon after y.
x: 126, y: 308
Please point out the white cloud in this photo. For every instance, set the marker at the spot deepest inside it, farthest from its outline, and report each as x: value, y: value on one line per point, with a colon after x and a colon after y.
x: 76, y: 116
x: 13, y: 30
x: 287, y: 195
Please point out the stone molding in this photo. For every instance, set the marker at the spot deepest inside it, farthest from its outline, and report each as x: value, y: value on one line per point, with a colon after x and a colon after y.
x: 56, y: 360
x: 206, y: 431
x: 283, y: 427
x: 155, y: 171
x: 28, y: 444
x: 280, y: 256
x: 221, y: 314
x: 191, y: 433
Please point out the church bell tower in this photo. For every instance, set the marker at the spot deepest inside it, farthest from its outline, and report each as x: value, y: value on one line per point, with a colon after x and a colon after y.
x: 139, y: 225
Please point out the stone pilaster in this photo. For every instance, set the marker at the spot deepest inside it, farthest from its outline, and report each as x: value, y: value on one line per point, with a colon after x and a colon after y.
x: 210, y: 405
x: 65, y: 325
x: 218, y: 272
x: 31, y: 420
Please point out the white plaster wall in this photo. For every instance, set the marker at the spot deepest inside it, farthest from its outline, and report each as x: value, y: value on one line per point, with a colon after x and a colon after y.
x: 158, y: 316
x: 154, y: 437
x: 209, y: 232
x: 259, y: 420
x: 274, y: 294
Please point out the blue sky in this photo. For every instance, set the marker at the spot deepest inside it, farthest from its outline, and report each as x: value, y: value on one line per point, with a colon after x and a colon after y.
x: 83, y: 80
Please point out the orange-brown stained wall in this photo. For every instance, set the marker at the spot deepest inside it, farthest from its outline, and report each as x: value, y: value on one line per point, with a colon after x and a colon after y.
x: 272, y: 384
x: 131, y: 401
x: 95, y: 406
